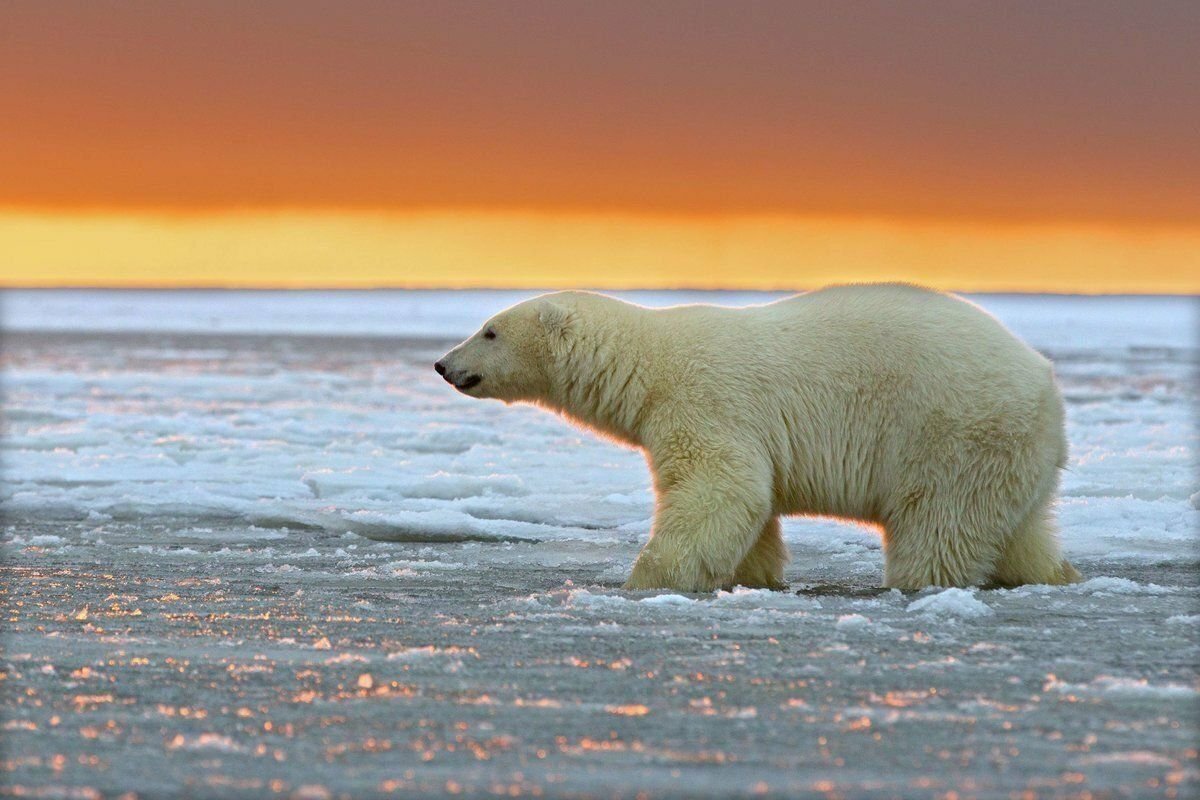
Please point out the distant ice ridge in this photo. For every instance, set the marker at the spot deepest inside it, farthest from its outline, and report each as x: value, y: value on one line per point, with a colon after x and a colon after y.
x: 1048, y: 322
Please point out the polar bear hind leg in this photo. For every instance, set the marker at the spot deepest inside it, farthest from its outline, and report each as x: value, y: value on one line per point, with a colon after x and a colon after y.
x: 1032, y: 555
x: 963, y: 543
x: 926, y: 547
x: 762, y: 567
x: 974, y: 509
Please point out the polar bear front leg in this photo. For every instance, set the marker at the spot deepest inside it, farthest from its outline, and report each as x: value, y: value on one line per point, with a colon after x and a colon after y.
x: 703, y: 529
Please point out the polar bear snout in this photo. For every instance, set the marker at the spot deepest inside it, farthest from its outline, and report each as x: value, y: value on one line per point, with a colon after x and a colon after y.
x: 459, y: 379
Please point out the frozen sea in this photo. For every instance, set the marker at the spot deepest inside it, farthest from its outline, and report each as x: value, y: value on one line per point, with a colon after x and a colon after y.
x: 254, y: 547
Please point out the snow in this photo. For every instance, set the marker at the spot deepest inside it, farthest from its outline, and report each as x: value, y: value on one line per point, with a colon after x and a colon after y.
x: 285, y: 429
x: 237, y: 504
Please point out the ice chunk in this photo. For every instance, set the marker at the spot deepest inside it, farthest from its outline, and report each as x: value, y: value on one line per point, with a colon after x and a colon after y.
x: 667, y: 600
x: 951, y: 602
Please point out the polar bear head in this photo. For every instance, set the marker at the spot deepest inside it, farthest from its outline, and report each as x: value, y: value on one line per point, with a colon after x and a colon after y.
x: 510, y: 357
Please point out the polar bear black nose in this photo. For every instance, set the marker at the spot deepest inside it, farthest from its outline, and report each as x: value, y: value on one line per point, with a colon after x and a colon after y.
x: 439, y: 368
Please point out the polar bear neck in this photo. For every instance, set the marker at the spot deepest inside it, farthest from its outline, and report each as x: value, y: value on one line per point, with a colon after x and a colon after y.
x: 603, y: 360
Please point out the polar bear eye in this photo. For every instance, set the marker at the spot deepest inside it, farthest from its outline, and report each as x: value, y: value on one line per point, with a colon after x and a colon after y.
x: 489, y: 334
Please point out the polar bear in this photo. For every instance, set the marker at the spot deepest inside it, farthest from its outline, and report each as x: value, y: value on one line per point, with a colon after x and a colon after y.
x: 890, y: 404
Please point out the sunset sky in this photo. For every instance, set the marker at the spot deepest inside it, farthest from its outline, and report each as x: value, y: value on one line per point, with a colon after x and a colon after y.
x: 1020, y: 145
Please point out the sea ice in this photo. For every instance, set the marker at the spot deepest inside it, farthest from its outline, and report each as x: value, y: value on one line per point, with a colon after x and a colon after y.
x: 253, y: 545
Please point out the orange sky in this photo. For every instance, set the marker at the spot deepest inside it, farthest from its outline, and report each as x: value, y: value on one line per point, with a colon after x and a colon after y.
x: 716, y: 144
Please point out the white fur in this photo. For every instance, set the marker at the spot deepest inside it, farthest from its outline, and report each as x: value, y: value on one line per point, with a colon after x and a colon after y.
x: 891, y: 404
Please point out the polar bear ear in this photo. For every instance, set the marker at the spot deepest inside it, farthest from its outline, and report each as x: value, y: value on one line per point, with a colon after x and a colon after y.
x: 554, y: 317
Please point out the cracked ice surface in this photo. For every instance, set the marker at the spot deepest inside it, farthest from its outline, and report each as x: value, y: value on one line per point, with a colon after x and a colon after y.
x: 252, y: 545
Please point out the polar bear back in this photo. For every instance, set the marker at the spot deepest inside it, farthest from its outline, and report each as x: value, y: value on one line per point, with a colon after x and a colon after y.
x: 854, y: 391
